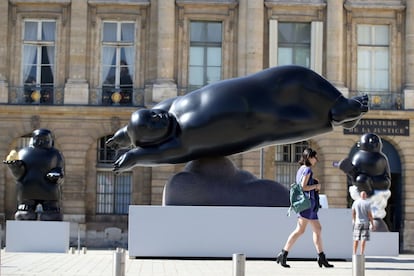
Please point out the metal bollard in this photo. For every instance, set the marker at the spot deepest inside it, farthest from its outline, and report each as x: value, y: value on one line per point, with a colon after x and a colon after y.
x: 239, y: 261
x: 119, y: 262
x: 358, y: 265
x: 79, y: 247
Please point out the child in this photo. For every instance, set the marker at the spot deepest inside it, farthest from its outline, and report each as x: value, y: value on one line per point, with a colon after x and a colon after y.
x: 361, y: 218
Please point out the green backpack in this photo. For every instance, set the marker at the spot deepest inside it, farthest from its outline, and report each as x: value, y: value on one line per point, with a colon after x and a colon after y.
x: 298, y: 200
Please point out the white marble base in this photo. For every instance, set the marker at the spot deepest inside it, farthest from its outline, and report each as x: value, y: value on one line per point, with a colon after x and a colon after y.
x: 257, y: 232
x: 37, y: 236
x: 383, y: 244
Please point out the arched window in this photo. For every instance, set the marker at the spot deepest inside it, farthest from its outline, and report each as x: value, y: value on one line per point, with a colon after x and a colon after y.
x: 113, y: 191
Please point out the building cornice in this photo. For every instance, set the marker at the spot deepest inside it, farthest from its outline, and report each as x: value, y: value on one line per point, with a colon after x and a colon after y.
x: 396, y: 5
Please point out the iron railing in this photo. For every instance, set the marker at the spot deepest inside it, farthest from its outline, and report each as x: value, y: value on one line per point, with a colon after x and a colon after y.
x: 382, y: 100
x: 113, y: 194
x: 36, y: 95
x: 117, y: 96
x: 286, y: 172
x: 52, y: 95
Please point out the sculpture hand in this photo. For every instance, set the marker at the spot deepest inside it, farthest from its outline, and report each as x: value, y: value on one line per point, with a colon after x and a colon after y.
x: 120, y: 139
x: 53, y: 176
x: 14, y: 163
x: 112, y: 143
x: 124, y: 162
x: 347, y: 167
x: 17, y: 167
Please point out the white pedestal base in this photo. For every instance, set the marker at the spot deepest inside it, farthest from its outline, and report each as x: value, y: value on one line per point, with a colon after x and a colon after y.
x: 383, y: 244
x: 257, y: 232
x: 37, y: 236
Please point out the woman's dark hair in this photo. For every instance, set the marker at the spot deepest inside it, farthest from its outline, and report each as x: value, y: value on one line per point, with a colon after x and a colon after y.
x: 306, y: 155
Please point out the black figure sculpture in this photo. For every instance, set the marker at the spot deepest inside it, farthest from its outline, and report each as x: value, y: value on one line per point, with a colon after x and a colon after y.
x: 39, y: 171
x: 369, y: 171
x: 278, y: 105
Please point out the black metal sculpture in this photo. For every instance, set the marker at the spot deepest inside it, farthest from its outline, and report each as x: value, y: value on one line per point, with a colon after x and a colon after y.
x: 218, y: 182
x: 39, y: 171
x: 368, y: 167
x: 278, y: 105
x: 369, y: 171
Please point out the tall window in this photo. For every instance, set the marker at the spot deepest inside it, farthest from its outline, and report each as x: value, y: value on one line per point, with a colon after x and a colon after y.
x: 113, y: 191
x: 39, y: 37
x: 373, y: 58
x: 287, y: 157
x: 205, y: 53
x: 294, y: 43
x: 118, y: 56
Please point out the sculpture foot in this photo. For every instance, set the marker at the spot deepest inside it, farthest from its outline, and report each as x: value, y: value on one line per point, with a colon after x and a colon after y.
x: 348, y: 112
x: 51, y: 216
x: 51, y: 211
x: 380, y: 225
x: 364, y: 183
x: 25, y: 215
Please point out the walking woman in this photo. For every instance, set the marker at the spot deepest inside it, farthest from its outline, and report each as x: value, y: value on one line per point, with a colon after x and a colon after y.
x: 311, y: 187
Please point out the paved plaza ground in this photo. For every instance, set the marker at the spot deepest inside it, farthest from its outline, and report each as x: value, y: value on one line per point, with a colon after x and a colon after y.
x: 100, y: 262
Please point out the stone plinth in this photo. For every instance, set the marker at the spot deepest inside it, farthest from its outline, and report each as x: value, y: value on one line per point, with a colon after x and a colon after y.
x: 37, y: 236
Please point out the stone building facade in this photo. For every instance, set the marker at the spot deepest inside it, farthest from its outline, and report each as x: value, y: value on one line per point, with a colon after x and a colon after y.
x: 70, y: 48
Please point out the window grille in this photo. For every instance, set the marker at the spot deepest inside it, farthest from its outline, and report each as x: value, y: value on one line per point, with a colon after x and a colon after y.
x: 113, y: 191
x: 287, y: 158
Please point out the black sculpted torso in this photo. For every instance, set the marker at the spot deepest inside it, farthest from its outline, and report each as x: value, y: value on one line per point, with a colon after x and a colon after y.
x: 278, y: 105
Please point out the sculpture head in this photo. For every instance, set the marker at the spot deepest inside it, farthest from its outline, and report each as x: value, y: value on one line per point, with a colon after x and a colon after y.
x: 370, y: 142
x: 149, y: 127
x: 42, y: 138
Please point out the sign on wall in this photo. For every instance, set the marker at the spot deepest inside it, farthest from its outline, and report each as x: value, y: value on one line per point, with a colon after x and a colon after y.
x: 391, y: 127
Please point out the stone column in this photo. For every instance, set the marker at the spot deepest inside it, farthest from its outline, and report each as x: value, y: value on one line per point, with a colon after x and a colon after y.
x: 250, y: 60
x: 76, y: 88
x: 409, y: 56
x: 250, y: 39
x: 165, y: 86
x: 335, y: 44
x: 4, y: 8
